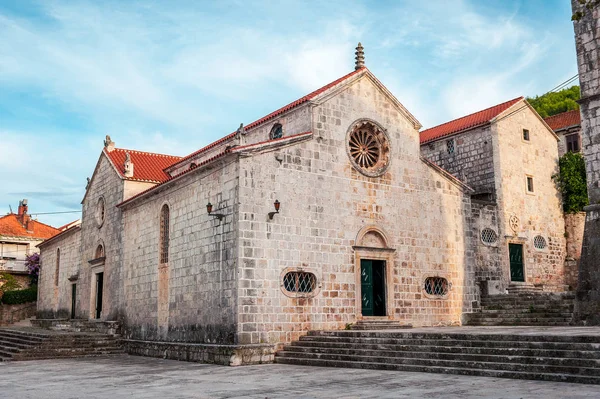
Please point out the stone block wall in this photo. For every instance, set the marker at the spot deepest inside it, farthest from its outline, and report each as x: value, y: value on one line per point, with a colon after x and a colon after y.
x: 587, y: 43
x: 489, y: 272
x: 10, y: 314
x: 538, y: 213
x: 54, y: 300
x: 325, y: 204
x: 201, y: 270
x: 471, y: 160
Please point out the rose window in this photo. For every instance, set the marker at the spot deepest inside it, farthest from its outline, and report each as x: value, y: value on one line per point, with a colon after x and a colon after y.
x: 368, y: 148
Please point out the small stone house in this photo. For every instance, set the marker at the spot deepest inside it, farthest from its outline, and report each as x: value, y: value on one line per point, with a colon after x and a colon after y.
x: 19, y: 235
x: 507, y: 154
x: 567, y: 126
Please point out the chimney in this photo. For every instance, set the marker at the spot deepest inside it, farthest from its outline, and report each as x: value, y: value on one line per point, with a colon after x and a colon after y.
x: 23, y: 216
x: 128, y: 166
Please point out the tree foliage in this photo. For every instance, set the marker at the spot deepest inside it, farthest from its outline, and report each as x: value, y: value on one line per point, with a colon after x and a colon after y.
x: 33, y: 267
x: 556, y: 102
x: 8, y: 282
x: 571, y: 181
x: 17, y: 297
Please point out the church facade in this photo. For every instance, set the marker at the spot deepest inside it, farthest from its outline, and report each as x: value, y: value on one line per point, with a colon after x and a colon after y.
x: 317, y: 215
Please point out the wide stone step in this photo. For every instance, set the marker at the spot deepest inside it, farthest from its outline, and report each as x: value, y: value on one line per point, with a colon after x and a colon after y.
x: 17, y: 342
x: 538, y: 351
x: 573, y: 361
x: 454, y: 336
x: 446, y: 370
x: 481, y: 365
x: 18, y: 338
x: 479, y: 341
x: 22, y: 333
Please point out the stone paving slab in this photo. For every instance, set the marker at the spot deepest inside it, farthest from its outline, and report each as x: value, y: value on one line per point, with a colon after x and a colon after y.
x: 142, y: 377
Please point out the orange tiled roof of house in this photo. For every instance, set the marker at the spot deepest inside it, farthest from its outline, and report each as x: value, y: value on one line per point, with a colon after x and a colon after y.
x: 564, y: 120
x: 11, y: 226
x: 147, y: 166
x: 466, y: 122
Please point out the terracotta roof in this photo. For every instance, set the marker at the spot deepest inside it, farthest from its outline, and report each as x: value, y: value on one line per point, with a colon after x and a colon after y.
x: 147, y: 166
x: 564, y: 120
x: 273, y: 114
x: 206, y: 161
x: 11, y: 226
x: 60, y: 234
x: 466, y: 122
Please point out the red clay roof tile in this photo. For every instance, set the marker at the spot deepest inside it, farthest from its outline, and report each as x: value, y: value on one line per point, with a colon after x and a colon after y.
x: 147, y: 166
x: 10, y: 226
x: 466, y: 122
x: 564, y: 120
x: 273, y: 114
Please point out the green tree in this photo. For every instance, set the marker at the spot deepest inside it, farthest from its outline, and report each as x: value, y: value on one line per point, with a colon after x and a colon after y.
x: 556, y: 102
x: 571, y: 181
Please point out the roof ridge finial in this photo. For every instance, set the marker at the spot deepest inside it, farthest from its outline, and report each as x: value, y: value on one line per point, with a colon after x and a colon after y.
x: 360, y: 57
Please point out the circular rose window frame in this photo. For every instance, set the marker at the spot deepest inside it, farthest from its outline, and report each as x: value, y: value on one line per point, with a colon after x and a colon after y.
x: 100, y: 215
x: 368, y: 147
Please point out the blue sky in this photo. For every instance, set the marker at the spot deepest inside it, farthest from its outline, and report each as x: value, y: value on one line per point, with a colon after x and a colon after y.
x: 172, y: 76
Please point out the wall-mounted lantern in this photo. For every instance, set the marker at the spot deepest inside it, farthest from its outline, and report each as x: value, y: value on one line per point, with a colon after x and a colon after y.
x: 276, y: 204
x: 209, y: 210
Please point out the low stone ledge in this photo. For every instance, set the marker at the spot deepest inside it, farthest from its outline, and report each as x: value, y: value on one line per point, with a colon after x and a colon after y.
x: 227, y: 355
x: 78, y: 325
x: 10, y: 314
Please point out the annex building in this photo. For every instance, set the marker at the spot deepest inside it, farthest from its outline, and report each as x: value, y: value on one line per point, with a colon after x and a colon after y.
x: 331, y: 209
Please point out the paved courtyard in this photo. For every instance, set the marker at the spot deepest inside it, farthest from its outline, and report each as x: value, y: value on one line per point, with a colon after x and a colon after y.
x: 141, y: 377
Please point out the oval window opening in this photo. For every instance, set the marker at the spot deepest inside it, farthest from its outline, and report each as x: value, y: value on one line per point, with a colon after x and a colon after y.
x: 489, y: 236
x: 299, y: 282
x: 539, y: 242
x: 436, y: 286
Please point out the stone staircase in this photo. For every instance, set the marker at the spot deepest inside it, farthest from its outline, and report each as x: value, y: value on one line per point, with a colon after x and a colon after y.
x: 571, y: 358
x: 524, y: 309
x: 377, y: 324
x: 30, y: 344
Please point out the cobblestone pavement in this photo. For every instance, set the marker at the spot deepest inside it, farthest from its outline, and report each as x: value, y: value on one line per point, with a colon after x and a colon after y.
x: 141, y: 377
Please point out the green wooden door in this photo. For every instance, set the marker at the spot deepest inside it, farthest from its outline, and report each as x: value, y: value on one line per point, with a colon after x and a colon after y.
x: 515, y: 252
x: 366, y: 286
x: 73, y: 296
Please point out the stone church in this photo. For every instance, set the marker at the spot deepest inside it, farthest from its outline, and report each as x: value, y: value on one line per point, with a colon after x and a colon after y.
x: 329, y: 210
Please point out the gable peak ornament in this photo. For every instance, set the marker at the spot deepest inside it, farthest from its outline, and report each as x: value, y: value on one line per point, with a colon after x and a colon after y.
x: 360, y: 57
x: 109, y: 144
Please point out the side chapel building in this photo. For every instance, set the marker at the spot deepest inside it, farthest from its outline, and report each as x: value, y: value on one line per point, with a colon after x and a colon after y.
x: 330, y: 209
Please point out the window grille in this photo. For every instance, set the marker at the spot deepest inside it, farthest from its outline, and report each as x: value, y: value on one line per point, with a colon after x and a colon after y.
x: 539, y: 242
x: 436, y: 286
x: 276, y: 131
x: 572, y: 142
x: 525, y: 134
x: 164, y: 234
x: 489, y: 236
x: 299, y: 282
x: 450, y: 146
x: 57, y: 266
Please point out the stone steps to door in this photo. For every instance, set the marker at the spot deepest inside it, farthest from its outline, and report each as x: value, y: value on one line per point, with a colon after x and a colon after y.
x: 554, y: 357
x: 26, y: 344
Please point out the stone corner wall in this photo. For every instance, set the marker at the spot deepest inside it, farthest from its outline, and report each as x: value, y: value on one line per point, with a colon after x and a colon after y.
x: 10, y: 314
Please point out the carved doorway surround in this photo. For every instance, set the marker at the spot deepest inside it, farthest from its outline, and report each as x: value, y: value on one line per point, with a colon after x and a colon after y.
x: 372, y: 244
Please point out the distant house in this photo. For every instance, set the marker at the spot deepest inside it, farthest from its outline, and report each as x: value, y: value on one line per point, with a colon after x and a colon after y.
x: 19, y: 235
x: 567, y: 127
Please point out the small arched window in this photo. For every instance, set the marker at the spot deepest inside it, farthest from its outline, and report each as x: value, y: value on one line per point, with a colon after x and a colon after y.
x: 57, y: 266
x: 99, y: 251
x: 276, y: 131
x: 164, y: 234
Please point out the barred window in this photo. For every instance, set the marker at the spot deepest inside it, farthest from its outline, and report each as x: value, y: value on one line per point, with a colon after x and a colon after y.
x: 276, y: 131
x: 164, y: 234
x: 299, y: 282
x: 57, y: 266
x: 539, y: 242
x: 436, y: 286
x: 450, y: 146
x: 489, y: 236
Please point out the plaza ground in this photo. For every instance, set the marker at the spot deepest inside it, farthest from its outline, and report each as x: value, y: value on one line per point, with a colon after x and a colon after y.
x: 141, y: 377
